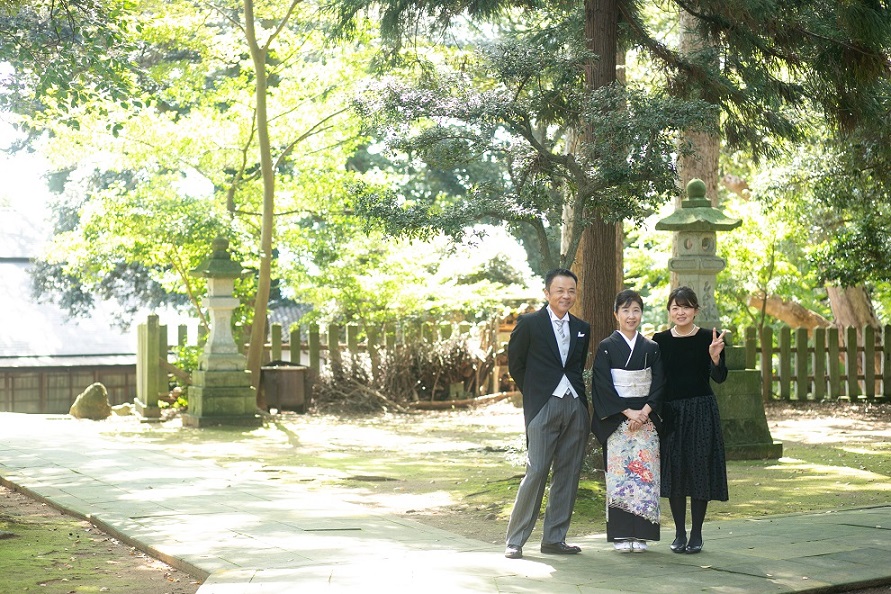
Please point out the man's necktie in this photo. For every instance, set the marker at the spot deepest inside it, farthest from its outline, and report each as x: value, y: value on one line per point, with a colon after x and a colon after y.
x: 562, y: 343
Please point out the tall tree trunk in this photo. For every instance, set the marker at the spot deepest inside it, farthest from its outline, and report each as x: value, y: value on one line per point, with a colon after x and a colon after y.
x: 264, y: 282
x: 598, y: 263
x: 620, y: 226
x: 703, y: 162
x: 852, y: 306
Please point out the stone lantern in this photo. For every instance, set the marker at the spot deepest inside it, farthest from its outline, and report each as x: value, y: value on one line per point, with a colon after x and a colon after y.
x: 696, y: 263
x: 221, y: 391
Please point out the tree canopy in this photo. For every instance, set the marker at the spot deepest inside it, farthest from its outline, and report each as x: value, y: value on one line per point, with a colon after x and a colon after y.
x: 460, y: 118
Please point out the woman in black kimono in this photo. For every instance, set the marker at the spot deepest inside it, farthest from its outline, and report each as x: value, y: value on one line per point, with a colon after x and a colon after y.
x: 693, y: 462
x: 627, y: 394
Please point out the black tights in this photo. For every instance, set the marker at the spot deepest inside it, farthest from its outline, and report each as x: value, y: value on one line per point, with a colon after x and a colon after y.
x: 679, y: 513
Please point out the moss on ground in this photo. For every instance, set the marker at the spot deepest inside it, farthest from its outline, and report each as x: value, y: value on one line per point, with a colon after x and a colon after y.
x: 48, y: 552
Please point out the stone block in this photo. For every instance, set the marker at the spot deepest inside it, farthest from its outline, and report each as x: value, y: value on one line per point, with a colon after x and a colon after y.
x: 743, y: 422
x: 735, y: 357
x: 206, y: 378
x: 741, y: 382
x: 190, y: 420
x: 146, y: 412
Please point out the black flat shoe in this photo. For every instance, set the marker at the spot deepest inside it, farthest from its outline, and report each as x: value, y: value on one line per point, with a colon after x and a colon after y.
x: 694, y: 548
x: 679, y: 545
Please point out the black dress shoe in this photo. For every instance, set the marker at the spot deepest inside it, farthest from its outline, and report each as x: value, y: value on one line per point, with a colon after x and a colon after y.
x: 694, y: 547
x: 560, y: 548
x: 679, y: 545
x: 513, y: 552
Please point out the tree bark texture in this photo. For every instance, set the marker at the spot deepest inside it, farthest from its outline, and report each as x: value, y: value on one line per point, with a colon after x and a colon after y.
x: 791, y: 313
x: 598, y: 263
x: 703, y: 162
x: 852, y: 307
x: 264, y: 282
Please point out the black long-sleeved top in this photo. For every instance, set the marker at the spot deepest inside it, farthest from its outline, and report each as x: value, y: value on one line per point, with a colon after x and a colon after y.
x: 688, y: 365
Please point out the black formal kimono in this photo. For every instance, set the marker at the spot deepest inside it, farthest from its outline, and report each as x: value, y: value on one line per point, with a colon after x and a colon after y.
x: 629, y: 378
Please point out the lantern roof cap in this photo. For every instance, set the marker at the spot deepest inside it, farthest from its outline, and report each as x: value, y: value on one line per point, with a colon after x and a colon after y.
x: 697, y: 213
x: 220, y: 263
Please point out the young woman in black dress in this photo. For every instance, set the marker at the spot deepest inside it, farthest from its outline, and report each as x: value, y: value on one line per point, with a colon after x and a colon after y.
x: 693, y: 462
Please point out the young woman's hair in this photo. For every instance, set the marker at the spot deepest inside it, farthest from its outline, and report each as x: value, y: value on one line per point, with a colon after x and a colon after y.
x: 627, y: 297
x: 683, y: 296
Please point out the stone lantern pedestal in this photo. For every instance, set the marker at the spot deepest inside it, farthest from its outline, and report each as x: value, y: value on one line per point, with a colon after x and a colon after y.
x: 746, y: 434
x: 221, y: 391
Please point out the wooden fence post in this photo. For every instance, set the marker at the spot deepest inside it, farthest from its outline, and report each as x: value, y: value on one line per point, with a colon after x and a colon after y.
x: 886, y: 363
x: 390, y: 337
x: 785, y: 348
x: 819, y: 364
x: 851, y: 356
x: 353, y: 339
x: 335, y: 361
x: 182, y: 335
x: 835, y: 385
x: 275, y: 347
x: 315, y: 349
x: 802, y: 385
x: 295, y: 346
x: 445, y: 330
x: 869, y: 362
x: 373, y: 333
x: 767, y: 363
x: 151, y: 376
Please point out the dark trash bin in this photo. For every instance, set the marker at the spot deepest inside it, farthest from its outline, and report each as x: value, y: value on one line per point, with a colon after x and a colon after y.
x: 284, y: 385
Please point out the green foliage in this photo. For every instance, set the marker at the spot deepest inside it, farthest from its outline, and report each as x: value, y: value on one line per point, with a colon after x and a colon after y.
x: 147, y: 110
x: 510, y: 108
x: 186, y: 357
x: 853, y: 184
x: 150, y: 184
x: 374, y: 281
x: 646, y: 257
x: 66, y: 59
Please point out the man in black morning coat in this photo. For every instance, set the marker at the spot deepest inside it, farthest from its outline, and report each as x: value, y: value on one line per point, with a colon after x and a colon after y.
x: 546, y: 355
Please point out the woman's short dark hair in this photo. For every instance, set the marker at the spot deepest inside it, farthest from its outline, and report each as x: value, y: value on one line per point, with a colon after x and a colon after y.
x: 626, y: 297
x: 552, y: 274
x: 683, y: 296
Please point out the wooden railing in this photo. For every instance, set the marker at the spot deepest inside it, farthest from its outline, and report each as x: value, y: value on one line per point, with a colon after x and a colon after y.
x: 821, y: 364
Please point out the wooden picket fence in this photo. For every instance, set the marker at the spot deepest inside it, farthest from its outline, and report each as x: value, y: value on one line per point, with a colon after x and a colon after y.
x: 316, y: 347
x: 824, y: 364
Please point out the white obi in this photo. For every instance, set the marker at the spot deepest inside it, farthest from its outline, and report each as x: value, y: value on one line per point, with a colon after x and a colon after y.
x: 632, y: 384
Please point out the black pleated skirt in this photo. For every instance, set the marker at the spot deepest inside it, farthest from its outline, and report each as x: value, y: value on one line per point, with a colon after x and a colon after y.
x: 693, y: 460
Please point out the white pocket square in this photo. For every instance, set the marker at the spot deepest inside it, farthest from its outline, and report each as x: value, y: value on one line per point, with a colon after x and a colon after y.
x: 581, y: 335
